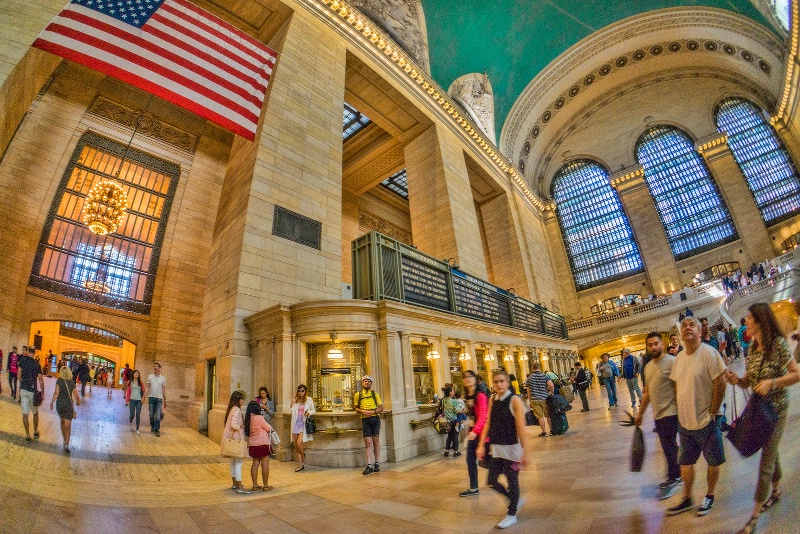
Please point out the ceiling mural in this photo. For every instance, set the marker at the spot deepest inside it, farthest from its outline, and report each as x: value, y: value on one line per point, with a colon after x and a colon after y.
x: 513, y: 40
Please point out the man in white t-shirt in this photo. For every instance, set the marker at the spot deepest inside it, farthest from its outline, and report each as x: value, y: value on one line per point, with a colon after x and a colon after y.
x: 699, y: 376
x: 156, y: 389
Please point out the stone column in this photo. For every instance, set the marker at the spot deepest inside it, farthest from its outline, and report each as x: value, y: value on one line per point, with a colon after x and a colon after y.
x: 738, y: 197
x: 443, y: 219
x: 564, y: 279
x: 407, y: 369
x: 659, y: 263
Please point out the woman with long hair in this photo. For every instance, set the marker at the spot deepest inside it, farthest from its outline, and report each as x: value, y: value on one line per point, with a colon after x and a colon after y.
x: 477, y: 402
x: 769, y: 370
x: 133, y: 397
x: 267, y: 405
x: 65, y: 398
x: 260, y: 444
x: 302, y: 408
x: 235, y: 429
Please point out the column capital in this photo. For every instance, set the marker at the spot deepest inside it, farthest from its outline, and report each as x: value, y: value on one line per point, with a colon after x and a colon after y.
x: 713, y: 146
x: 628, y: 179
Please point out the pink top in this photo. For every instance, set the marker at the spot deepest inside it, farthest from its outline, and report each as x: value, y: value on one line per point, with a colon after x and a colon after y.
x: 259, y: 431
x: 234, y: 427
x: 481, y: 407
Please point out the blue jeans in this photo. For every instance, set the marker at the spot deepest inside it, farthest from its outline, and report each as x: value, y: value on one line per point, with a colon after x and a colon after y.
x: 135, y: 410
x: 155, y: 414
x: 611, y: 388
x: 633, y: 388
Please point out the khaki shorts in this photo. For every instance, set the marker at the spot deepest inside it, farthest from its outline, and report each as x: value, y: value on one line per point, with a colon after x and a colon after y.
x: 26, y: 401
x: 540, y: 409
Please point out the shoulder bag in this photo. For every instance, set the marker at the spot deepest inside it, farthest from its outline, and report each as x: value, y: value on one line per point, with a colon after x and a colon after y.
x: 234, y: 448
x: 311, y: 425
x: 274, y: 438
x: 754, y: 427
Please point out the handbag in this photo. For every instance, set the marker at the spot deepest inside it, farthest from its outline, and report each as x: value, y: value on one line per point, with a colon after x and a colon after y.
x: 234, y: 448
x: 274, y: 438
x: 311, y: 425
x: 753, y: 429
x: 38, y: 398
x: 441, y: 424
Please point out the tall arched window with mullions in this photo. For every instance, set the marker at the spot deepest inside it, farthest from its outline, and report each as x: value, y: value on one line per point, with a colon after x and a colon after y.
x: 596, y: 232
x: 688, y: 202
x: 761, y: 156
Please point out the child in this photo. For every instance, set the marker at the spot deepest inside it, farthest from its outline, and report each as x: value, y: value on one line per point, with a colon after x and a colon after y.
x: 505, y: 428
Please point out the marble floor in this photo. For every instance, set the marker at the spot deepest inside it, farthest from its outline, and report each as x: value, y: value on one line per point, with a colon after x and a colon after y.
x: 116, y: 481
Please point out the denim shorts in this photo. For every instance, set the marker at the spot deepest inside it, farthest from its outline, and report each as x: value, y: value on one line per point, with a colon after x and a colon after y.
x: 707, y: 440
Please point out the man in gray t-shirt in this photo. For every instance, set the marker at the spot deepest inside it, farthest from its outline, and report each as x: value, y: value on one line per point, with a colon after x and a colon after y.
x: 156, y: 389
x: 659, y: 390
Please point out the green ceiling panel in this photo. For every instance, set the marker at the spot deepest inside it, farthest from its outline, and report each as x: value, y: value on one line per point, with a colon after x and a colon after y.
x: 513, y: 40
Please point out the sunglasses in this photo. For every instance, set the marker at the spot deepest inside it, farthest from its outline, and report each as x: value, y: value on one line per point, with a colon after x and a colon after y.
x: 301, y: 391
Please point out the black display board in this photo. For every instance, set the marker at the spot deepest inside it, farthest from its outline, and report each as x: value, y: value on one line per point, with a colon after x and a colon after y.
x: 425, y: 285
x: 475, y: 298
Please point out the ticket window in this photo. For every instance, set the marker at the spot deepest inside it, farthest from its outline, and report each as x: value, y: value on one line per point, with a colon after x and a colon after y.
x: 332, y: 382
x: 456, y: 373
x: 424, y: 388
x: 480, y: 361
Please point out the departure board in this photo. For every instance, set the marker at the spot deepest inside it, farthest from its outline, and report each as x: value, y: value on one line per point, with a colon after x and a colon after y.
x: 475, y: 298
x: 554, y: 325
x: 527, y: 316
x: 424, y: 284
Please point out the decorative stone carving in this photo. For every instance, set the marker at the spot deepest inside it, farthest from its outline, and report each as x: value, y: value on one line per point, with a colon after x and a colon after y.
x: 474, y: 93
x: 403, y: 21
x: 149, y: 124
x: 367, y: 222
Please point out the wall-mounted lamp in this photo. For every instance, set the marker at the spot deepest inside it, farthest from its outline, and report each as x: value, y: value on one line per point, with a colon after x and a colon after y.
x: 463, y: 356
x: 523, y: 357
x: 335, y: 353
x: 508, y: 358
x: 432, y: 354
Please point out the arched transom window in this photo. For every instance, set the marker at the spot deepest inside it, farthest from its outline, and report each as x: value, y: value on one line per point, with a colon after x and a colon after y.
x: 761, y: 156
x: 597, y: 236
x: 688, y: 202
x: 117, y: 270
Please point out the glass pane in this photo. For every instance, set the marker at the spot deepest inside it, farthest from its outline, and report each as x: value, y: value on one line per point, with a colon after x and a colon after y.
x: 597, y: 236
x: 688, y: 202
x: 765, y: 163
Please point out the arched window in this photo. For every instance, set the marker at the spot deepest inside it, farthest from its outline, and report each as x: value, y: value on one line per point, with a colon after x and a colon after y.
x: 687, y: 199
x: 596, y: 232
x: 761, y: 156
x: 117, y: 270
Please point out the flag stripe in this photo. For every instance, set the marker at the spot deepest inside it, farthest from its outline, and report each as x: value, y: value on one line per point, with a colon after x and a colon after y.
x: 202, y: 23
x: 181, y: 53
x: 157, y: 89
x: 146, y: 49
x: 139, y: 62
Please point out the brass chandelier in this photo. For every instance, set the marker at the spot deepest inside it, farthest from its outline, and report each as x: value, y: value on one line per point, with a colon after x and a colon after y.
x: 105, y: 208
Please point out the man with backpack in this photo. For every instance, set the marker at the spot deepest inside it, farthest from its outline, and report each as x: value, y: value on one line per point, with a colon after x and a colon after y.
x: 368, y: 403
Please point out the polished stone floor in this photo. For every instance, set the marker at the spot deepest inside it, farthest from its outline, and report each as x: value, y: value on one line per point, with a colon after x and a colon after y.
x: 116, y: 481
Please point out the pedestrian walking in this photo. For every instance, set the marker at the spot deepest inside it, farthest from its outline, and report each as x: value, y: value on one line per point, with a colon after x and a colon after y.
x: 505, y: 430
x: 580, y: 381
x: 156, y: 393
x: 631, y: 368
x: 699, y: 376
x: 259, y: 446
x: 12, y: 366
x: 609, y: 371
x: 769, y: 369
x: 540, y: 387
x: 476, y: 401
x: 234, y: 429
x: 133, y: 397
x: 30, y: 382
x: 65, y: 397
x: 659, y: 390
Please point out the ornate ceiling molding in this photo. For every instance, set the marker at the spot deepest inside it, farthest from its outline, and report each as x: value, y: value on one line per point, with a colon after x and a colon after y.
x: 790, y: 82
x: 587, y: 52
x: 539, y: 174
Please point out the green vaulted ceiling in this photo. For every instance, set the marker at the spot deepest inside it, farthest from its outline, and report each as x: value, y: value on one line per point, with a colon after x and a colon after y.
x: 513, y: 40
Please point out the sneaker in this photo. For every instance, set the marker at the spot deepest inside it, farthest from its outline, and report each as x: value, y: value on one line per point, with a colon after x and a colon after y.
x: 137, y: 432
x: 158, y: 434
x: 243, y: 491
x: 28, y: 439
x: 368, y: 470
x: 668, y: 491
x: 447, y: 453
x: 507, y: 521
x: 543, y: 435
x: 706, y: 505
x: 470, y: 492
x: 456, y: 454
x: 376, y: 467
x: 684, y: 506
x: 610, y: 406
x: 670, y: 481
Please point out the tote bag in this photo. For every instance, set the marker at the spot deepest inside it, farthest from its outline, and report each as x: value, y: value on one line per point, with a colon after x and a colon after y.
x: 234, y: 448
x: 753, y: 429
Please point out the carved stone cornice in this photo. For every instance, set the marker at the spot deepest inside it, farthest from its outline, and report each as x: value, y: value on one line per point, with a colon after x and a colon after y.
x: 600, y: 44
x: 148, y: 124
x: 713, y: 147
x: 629, y: 179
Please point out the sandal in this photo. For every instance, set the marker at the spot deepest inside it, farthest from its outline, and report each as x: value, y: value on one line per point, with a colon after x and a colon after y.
x: 256, y: 488
x: 300, y: 468
x: 750, y: 527
x: 268, y: 488
x: 775, y: 497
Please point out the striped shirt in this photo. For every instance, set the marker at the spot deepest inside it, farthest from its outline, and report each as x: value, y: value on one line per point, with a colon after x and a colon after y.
x: 537, y: 385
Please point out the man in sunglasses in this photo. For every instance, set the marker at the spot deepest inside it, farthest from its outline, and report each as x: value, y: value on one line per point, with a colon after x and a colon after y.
x: 368, y: 403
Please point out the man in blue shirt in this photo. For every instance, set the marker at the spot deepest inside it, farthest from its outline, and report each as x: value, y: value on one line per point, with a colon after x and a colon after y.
x: 608, y: 370
x: 631, y: 367
x: 705, y: 334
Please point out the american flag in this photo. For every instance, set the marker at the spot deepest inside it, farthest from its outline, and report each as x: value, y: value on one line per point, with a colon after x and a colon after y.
x: 170, y: 48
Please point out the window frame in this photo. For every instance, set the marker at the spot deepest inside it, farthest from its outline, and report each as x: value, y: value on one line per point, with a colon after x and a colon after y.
x: 589, y: 194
